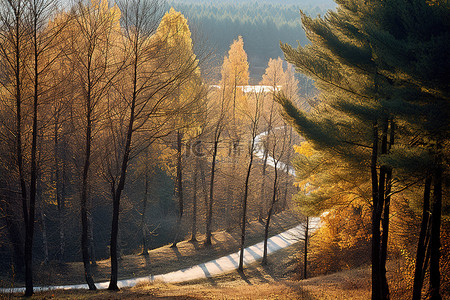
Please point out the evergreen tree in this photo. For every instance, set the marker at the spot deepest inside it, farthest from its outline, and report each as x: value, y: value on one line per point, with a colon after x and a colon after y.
x: 413, y: 40
x: 367, y: 87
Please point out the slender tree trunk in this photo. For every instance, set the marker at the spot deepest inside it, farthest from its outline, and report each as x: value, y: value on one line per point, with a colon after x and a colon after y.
x: 117, y: 191
x: 305, y: 255
x: 286, y: 187
x: 387, y: 201
x: 376, y: 284
x: 265, y: 156
x: 44, y: 235
x: 379, y: 210
x: 380, y: 288
x: 180, y: 175
x: 143, y: 222
x: 204, y: 184
x: 113, y: 243
x: 194, y: 204
x: 230, y: 220
x: 18, y: 10
x: 59, y: 198
x: 288, y: 159
x: 43, y: 221
x: 385, y: 235
x: 179, y: 190
x: 421, y: 245
x: 427, y: 246
x: 263, y: 183
x: 29, y: 232
x: 269, y: 215
x: 211, y: 194
x: 435, y: 242
x: 244, y: 208
x: 83, y: 202
x: 92, y: 255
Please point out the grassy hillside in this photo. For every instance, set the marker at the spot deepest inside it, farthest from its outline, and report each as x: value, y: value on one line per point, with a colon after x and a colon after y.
x: 161, y: 260
x: 275, y: 281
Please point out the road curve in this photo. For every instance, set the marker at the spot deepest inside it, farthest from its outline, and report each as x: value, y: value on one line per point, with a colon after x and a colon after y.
x: 208, y: 269
x: 214, y: 267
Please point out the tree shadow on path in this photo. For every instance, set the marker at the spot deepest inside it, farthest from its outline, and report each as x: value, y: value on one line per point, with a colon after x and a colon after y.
x: 244, y: 277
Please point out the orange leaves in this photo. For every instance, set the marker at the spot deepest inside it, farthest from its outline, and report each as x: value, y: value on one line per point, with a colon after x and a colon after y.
x: 343, y: 241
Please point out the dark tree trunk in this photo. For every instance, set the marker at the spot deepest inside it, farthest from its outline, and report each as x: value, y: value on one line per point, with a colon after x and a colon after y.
x: 29, y: 231
x: 263, y: 182
x: 421, y: 245
x: 380, y: 289
x: 59, y: 194
x: 204, y: 183
x: 194, y: 204
x: 18, y: 10
x: 117, y: 191
x: 85, y: 238
x: 387, y: 201
x: 179, y: 190
x: 43, y: 221
x: 180, y: 175
x: 288, y: 158
x: 230, y: 186
x: 244, y: 208
x: 385, y: 235
x: 305, y: 255
x: 92, y: 255
x: 143, y: 222
x: 376, y: 284
x: 211, y: 194
x: 427, y: 247
x: 435, y: 242
x: 286, y: 187
x: 113, y: 243
x: 269, y: 215
x: 84, y: 196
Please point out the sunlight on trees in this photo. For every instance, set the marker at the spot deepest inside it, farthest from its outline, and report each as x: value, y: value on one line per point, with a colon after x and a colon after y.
x: 119, y: 133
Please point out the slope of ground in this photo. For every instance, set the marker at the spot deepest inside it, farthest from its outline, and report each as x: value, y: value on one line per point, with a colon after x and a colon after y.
x: 161, y: 260
x: 273, y: 281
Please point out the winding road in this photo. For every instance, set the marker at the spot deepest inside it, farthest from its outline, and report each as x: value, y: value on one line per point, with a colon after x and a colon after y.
x: 208, y: 269
x: 211, y: 268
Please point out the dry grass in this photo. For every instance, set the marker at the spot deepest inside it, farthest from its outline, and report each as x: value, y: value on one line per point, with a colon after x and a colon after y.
x: 257, y: 282
x: 282, y: 290
x: 351, y: 284
x: 273, y: 281
x: 161, y: 260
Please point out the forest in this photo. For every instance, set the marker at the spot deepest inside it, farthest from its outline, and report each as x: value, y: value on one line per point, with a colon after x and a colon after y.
x: 263, y: 25
x: 134, y: 125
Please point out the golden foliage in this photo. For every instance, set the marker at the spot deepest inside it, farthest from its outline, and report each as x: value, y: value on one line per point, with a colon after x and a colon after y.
x: 235, y: 65
x: 305, y: 149
x: 235, y: 76
x: 342, y: 242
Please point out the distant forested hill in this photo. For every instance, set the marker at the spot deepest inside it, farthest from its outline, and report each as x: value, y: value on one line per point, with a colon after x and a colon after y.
x: 325, y: 3
x: 262, y: 24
